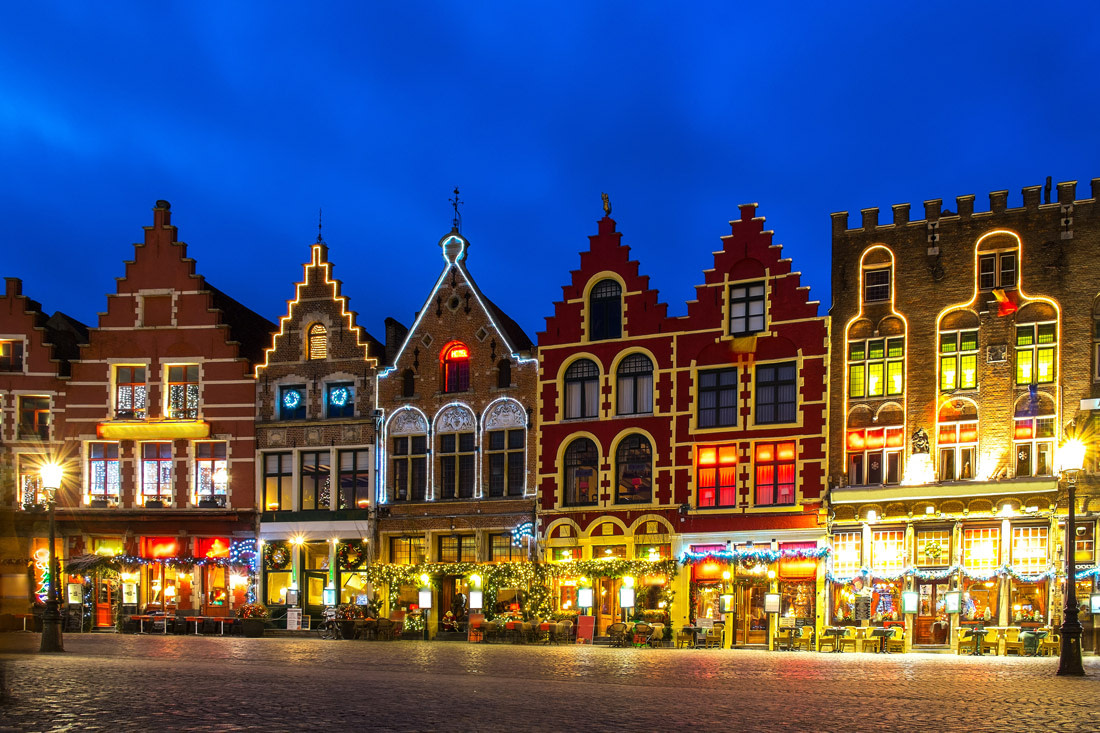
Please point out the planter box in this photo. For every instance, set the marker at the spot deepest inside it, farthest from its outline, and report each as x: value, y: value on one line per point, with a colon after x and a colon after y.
x: 253, y: 627
x: 98, y: 504
x: 209, y: 504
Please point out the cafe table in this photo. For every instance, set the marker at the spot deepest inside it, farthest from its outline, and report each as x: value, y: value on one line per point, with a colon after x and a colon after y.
x: 837, y: 632
x: 1031, y: 639
x: 789, y: 631
x: 976, y: 633
x: 882, y: 634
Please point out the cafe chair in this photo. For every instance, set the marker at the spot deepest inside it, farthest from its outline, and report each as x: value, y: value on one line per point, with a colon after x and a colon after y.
x: 385, y: 630
x: 804, y: 639
x: 616, y: 634
x: 868, y: 643
x: 1050, y: 645
x: 658, y: 636
x: 714, y: 637
x: 1013, y: 643
x: 962, y: 643
x: 685, y: 637
x: 991, y: 643
x: 828, y: 640
x: 895, y: 643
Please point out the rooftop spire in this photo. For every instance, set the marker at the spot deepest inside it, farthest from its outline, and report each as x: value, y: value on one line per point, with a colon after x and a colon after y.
x: 456, y: 222
x: 319, y: 240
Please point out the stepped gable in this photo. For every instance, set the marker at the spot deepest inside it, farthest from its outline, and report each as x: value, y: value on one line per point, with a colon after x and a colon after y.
x: 59, y: 334
x: 643, y: 313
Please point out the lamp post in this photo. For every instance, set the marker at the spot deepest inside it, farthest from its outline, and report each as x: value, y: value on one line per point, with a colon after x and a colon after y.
x: 1072, y: 458
x: 51, y: 474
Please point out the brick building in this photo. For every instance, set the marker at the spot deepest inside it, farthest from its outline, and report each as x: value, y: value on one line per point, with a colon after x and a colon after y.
x: 704, y: 433
x: 964, y: 353
x: 35, y: 354
x: 316, y: 446
x: 456, y: 486
x: 158, y: 436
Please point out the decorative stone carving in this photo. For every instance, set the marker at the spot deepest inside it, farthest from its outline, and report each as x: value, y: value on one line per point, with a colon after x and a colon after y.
x: 455, y: 419
x: 920, y: 441
x: 506, y: 414
x: 350, y: 434
x: 313, y: 436
x: 276, y: 437
x: 407, y: 422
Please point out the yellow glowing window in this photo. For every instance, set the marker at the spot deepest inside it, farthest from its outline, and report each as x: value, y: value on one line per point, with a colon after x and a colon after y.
x: 1029, y: 548
x: 934, y: 547
x: 981, y: 548
x: 874, y: 379
x: 893, y: 377
x: 948, y: 373
x: 1024, y: 363
x: 1044, y: 366
x: 855, y: 380
x: 318, y: 341
x: 847, y: 552
x: 887, y: 549
x: 968, y: 379
x: 880, y: 369
x: 708, y: 456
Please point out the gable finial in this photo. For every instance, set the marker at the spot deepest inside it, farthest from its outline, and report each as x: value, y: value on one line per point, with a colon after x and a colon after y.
x: 606, y: 204
x: 456, y: 222
x: 319, y: 240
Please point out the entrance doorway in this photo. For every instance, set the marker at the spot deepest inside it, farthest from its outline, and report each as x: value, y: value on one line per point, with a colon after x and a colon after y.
x: 931, y: 624
x: 752, y: 621
x: 104, y: 602
x: 313, y: 604
x: 607, y: 609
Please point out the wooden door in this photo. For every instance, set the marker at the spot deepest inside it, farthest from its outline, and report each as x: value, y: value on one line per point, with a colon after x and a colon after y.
x: 104, y: 603
x: 313, y: 602
x: 607, y: 603
x: 930, y: 626
x: 752, y: 622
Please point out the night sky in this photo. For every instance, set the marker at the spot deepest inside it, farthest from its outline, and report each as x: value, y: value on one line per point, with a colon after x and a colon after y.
x: 248, y: 119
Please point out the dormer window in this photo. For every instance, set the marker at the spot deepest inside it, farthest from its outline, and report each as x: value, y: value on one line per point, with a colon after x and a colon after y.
x: 456, y: 368
x: 317, y: 342
x: 605, y: 311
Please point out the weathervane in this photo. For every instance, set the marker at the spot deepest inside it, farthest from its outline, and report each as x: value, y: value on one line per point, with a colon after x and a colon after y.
x: 606, y: 204
x: 319, y: 240
x: 457, y: 221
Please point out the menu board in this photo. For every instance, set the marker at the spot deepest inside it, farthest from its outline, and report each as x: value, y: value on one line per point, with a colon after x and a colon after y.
x: 586, y: 629
x: 293, y: 619
x: 863, y: 608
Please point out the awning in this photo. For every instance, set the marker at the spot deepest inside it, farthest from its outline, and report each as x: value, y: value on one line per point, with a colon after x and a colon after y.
x: 154, y: 430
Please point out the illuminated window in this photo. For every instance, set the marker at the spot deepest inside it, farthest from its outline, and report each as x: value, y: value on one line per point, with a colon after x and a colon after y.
x: 278, y: 487
x: 458, y: 548
x: 354, y: 487
x: 1035, y: 347
x: 1029, y: 549
x: 1085, y: 544
x: 847, y: 552
x: 582, y: 386
x: 876, y: 367
x: 410, y: 468
x: 776, y: 393
x: 506, y: 471
x: 156, y: 471
x: 456, y: 465
x: 1034, y: 446
x: 775, y: 473
x: 876, y: 285
x: 635, y: 385
x: 292, y: 402
x: 34, y: 417
x: 502, y: 549
x: 1096, y: 348
x: 982, y: 548
x: 581, y: 473
x: 888, y: 549
x: 130, y: 392
x: 746, y: 309
x: 933, y: 547
x: 997, y: 270
x: 874, y: 455
x: 340, y: 400
x: 716, y: 475
x: 103, y: 473
x: 30, y: 480
x: 605, y: 311
x: 718, y: 398
x: 958, y: 450
x: 407, y: 550
x: 314, y: 480
x: 634, y: 471
x: 958, y: 360
x: 11, y: 355
x: 183, y: 392
x: 209, y: 460
x: 456, y: 368
x: 317, y: 342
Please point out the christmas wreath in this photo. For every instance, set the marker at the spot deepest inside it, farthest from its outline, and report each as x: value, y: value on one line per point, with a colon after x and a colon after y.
x: 933, y: 550
x: 276, y: 556
x: 351, y: 556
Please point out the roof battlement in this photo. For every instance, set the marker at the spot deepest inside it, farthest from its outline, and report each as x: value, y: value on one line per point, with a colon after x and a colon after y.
x: 964, y: 208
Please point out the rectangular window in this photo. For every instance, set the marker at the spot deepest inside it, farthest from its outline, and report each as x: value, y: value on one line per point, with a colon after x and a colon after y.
x: 34, y: 417
x: 775, y: 473
x: 315, y: 480
x: 210, y: 471
x: 103, y: 473
x: 183, y: 392
x: 340, y: 400
x: 716, y: 475
x: 987, y: 272
x: 933, y: 547
x: 407, y: 550
x: 847, y: 552
x: 874, y: 455
x: 1034, y: 446
x: 458, y: 548
x: 958, y: 360
x: 876, y: 285
x: 457, y: 465
x: 502, y: 549
x: 30, y: 480
x: 11, y: 355
x: 1035, y: 352
x: 156, y: 471
x: 876, y: 367
x: 718, y: 398
x: 410, y: 468
x: 1029, y: 549
x: 354, y: 479
x: 776, y: 393
x: 888, y: 549
x: 981, y: 548
x: 506, y: 470
x: 130, y: 392
x: 746, y: 309
x: 292, y: 402
x: 997, y: 270
x: 278, y: 474
x: 1085, y: 544
x: 958, y: 450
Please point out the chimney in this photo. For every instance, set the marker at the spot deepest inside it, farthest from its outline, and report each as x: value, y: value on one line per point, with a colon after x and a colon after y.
x: 162, y: 214
x: 395, y: 336
x: 13, y: 287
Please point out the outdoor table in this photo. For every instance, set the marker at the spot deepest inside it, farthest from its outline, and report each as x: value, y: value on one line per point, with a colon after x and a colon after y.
x: 977, y: 634
x: 1031, y: 639
x: 151, y: 618
x: 882, y: 635
x: 837, y: 632
x: 790, y: 638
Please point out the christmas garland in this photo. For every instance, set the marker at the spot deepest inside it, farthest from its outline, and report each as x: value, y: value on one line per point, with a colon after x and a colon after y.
x: 1001, y: 571
x: 751, y: 556
x: 276, y: 556
x: 88, y: 564
x: 351, y: 556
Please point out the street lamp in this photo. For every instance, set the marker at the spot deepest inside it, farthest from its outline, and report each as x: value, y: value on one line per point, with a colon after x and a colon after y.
x: 1072, y: 458
x: 51, y: 474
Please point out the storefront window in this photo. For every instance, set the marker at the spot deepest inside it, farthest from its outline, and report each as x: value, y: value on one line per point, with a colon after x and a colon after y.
x: 609, y: 551
x: 1029, y: 549
x: 1029, y: 602
x: 887, y: 551
x: 277, y: 584
x: 847, y: 552
x: 1085, y: 544
x: 980, y: 601
x: 407, y: 550
x: 981, y: 548
x: 797, y: 601
x: 353, y: 587
x: 886, y: 601
x: 706, y: 603
x: 566, y: 554
x: 851, y: 601
x: 933, y: 547
x: 653, y: 552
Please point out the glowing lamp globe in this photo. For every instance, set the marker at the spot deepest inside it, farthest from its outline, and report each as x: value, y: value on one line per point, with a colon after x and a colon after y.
x: 1071, y: 455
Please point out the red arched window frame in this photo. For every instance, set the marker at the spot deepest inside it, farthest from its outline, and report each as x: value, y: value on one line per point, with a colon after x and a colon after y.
x: 456, y: 367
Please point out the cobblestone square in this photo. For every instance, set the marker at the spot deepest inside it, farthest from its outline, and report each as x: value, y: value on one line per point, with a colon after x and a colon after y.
x: 109, y: 682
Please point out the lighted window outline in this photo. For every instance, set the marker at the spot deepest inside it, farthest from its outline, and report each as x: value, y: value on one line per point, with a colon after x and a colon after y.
x: 752, y: 297
x: 605, y: 310
x: 455, y: 364
x: 884, y: 442
x: 958, y: 359
x: 768, y: 459
x: 959, y: 438
x: 1036, y: 346
x: 716, y: 479
x: 882, y: 358
x: 181, y: 393
x: 316, y: 342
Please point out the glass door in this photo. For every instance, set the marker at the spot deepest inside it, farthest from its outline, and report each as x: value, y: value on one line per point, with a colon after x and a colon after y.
x: 752, y: 621
x: 607, y: 602
x: 313, y: 604
x: 931, y: 625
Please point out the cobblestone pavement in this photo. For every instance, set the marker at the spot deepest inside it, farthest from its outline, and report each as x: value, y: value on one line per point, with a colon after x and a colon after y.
x: 109, y: 682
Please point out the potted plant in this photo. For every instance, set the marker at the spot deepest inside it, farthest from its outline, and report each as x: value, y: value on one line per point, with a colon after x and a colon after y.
x: 346, y: 616
x: 253, y: 618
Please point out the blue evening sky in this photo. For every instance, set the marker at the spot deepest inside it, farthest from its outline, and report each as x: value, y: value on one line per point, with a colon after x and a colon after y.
x: 248, y: 117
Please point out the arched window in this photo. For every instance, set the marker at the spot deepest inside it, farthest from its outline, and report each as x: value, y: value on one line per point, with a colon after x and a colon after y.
x: 957, y: 440
x: 605, y: 311
x: 504, y: 374
x: 408, y: 383
x: 635, y: 388
x: 456, y: 368
x: 582, y: 386
x: 581, y: 473
x: 634, y: 471
x: 317, y: 342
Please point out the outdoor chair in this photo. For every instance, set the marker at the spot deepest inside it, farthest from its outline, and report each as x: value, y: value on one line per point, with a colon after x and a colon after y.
x: 714, y: 637
x: 1013, y: 643
x: 991, y: 643
x: 1049, y: 645
x: 616, y: 633
x: 642, y: 634
x: 658, y: 636
x: 685, y: 637
x: 849, y: 639
x: 566, y: 631
x: 384, y: 631
x: 805, y: 639
x: 895, y: 643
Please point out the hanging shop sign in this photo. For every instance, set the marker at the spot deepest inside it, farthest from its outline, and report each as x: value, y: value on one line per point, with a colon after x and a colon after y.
x: 771, y: 603
x: 952, y: 601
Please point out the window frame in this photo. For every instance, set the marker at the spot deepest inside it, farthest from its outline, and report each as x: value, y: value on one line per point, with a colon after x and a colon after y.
x: 605, y: 310
x: 723, y: 464
x: 298, y: 412
x: 336, y: 412
x: 634, y: 449
x: 720, y: 391
x: 868, y: 285
x: 859, y: 446
x: 456, y: 368
x: 190, y: 396
x: 498, y: 541
x: 511, y: 477
x: 283, y: 476
x: 207, y: 466
x: 585, y: 384
x: 38, y: 427
x: 319, y: 465
x: 316, y: 342
x: 135, y: 388
x: 775, y: 383
x: 405, y: 462
x: 408, y: 550
x: 994, y: 278
x: 1033, y: 443
x: 957, y: 354
x: 1034, y: 352
x: 29, y: 479
x: 635, y: 378
x: 775, y: 462
x: 742, y: 294
x: 12, y: 355
x: 356, y: 478
x: 108, y: 462
x: 163, y: 463
x: 457, y: 472
x: 862, y: 362
x: 571, y: 461
x: 958, y: 448
x: 464, y: 548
